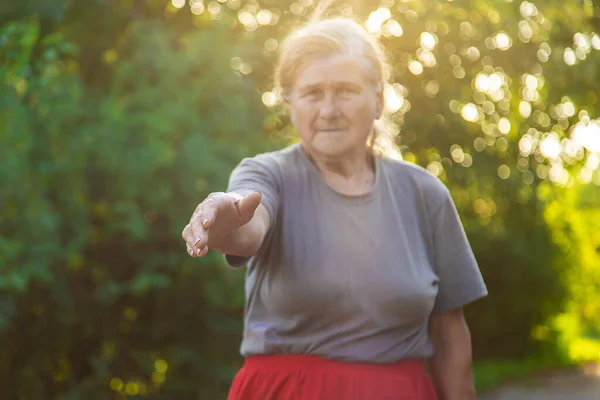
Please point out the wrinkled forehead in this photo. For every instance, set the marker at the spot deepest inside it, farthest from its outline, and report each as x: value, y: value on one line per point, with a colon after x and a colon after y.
x: 334, y: 70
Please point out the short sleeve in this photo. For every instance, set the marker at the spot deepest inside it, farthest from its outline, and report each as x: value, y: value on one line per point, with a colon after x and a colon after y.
x: 256, y: 173
x: 460, y: 280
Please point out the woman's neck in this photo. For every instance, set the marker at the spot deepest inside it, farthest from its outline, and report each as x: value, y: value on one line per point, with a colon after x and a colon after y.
x: 352, y: 174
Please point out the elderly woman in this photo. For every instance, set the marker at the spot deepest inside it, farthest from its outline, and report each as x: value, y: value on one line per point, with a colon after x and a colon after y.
x: 357, y: 265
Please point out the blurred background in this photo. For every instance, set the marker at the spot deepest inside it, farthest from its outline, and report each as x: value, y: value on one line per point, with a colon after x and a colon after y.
x: 119, y: 116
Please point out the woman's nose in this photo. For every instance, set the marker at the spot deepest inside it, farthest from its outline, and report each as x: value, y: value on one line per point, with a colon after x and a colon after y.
x: 329, y: 107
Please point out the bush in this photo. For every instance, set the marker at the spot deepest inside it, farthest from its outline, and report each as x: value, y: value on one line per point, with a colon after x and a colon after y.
x: 96, y: 291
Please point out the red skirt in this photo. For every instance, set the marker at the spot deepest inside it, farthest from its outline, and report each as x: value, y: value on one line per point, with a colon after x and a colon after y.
x: 302, y: 377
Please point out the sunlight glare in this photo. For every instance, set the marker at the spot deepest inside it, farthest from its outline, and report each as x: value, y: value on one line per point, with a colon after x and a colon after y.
x: 264, y: 17
x: 531, y: 81
x: 427, y: 58
x: 593, y: 161
x: 482, y: 82
x: 595, y: 41
x: 504, y: 125
x: 376, y: 18
x: 393, y: 102
x: 469, y: 112
x: 526, y: 145
x: 582, y: 41
x: 269, y: 99
x: 569, y: 56
x: 502, y: 41
x: 567, y: 109
x: 415, y: 67
x: 428, y: 40
x: 587, y: 135
x: 394, y: 28
x: 528, y: 9
x: 525, y: 108
x: 495, y: 82
x: 246, y: 18
x: 558, y: 174
x: 525, y: 31
x: 178, y: 3
x: 550, y: 146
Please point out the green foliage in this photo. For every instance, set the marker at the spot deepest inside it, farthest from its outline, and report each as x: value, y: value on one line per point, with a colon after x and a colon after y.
x: 119, y: 117
x: 95, y: 287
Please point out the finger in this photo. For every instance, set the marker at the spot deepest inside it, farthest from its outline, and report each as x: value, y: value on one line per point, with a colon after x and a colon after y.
x: 190, y: 250
x: 193, y: 243
x: 198, y: 233
x: 199, y: 241
x: 203, y: 252
x: 247, y: 206
x: 188, y: 235
x: 209, y: 212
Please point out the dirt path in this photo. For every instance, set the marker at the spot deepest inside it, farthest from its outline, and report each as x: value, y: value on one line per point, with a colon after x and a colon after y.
x: 581, y: 384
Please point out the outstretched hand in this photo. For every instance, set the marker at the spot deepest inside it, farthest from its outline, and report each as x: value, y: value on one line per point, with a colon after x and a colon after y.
x: 215, y: 220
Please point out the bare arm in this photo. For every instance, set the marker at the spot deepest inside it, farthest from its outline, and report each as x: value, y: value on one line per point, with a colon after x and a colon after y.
x: 247, y: 239
x: 451, y: 365
x: 228, y: 223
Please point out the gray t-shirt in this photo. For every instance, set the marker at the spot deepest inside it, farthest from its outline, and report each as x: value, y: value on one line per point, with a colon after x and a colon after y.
x: 351, y: 278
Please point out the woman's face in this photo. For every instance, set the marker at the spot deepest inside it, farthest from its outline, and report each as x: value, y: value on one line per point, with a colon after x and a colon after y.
x: 333, y: 105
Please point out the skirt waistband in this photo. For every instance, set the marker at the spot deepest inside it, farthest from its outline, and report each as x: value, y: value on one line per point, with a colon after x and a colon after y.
x: 307, y: 377
x: 277, y: 362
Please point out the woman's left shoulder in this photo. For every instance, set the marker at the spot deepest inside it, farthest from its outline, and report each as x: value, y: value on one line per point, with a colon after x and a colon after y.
x: 407, y: 173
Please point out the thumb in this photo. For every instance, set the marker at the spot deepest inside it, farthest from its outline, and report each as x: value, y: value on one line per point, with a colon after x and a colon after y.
x: 248, y: 204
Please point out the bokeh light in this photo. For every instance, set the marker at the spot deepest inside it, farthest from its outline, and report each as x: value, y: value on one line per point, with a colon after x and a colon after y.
x: 435, y: 167
x: 269, y: 99
x: 271, y: 44
x: 428, y: 40
x: 528, y: 9
x: 264, y: 17
x: 502, y: 41
x: 393, y: 101
x: 595, y: 41
x: 550, y: 146
x: 504, y: 171
x: 524, y: 108
x: 197, y: 7
x: 588, y: 135
x: 426, y: 57
x: 569, y: 56
x: 376, y: 19
x: 504, y: 125
x: 415, y: 67
x: 526, y: 145
x: 178, y: 3
x: 392, y: 28
x: 214, y: 8
x: 469, y: 112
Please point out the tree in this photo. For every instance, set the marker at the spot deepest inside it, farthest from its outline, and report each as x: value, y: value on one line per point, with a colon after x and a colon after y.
x: 119, y: 116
